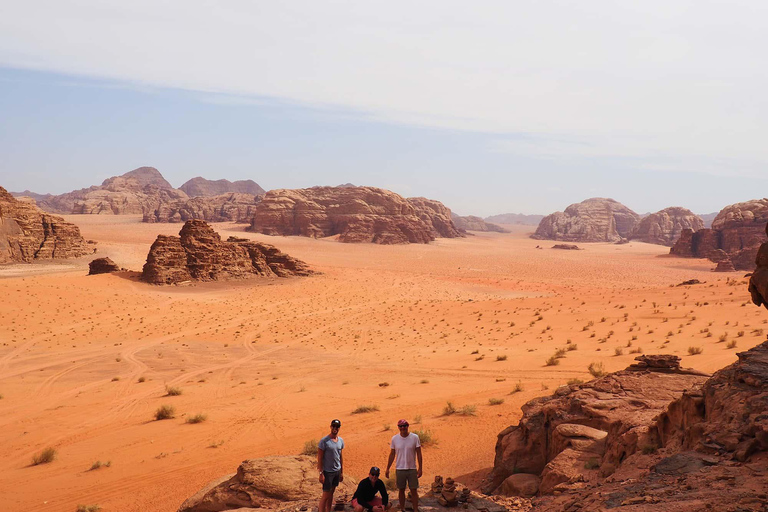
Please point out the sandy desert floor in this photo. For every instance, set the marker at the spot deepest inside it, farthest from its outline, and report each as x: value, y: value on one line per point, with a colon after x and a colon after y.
x: 85, y: 361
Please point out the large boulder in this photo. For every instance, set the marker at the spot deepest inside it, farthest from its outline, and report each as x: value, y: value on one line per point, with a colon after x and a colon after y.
x: 269, y: 483
x: 738, y: 230
x: 592, y: 220
x: 28, y: 234
x: 201, y: 187
x: 232, y: 207
x: 102, y: 266
x: 356, y: 214
x: 665, y: 226
x: 198, y: 254
x: 603, y: 419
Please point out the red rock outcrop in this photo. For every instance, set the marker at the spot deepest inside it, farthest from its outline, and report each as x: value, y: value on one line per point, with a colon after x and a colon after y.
x: 28, y: 234
x: 758, y: 281
x: 356, y: 214
x: 592, y: 220
x: 738, y: 230
x: 231, y: 207
x: 473, y: 223
x: 102, y: 266
x: 665, y: 227
x: 707, y: 451
x: 603, y: 421
x: 198, y: 254
x: 201, y: 187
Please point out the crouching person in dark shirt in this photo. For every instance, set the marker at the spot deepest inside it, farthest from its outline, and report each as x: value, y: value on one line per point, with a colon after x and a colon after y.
x: 365, y: 498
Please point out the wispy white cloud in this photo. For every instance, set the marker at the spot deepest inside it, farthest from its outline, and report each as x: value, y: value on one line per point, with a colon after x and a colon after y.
x: 682, y: 82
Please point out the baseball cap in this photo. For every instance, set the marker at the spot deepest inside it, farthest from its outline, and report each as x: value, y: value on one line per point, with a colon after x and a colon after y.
x: 375, y: 471
x: 335, y: 423
x: 402, y: 423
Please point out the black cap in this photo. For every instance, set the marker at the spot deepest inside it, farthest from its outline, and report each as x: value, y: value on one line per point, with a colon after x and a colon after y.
x: 335, y: 423
x: 375, y: 471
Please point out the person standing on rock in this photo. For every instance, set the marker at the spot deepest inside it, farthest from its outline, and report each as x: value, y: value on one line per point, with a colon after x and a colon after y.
x: 330, y: 465
x: 365, y: 496
x: 406, y: 447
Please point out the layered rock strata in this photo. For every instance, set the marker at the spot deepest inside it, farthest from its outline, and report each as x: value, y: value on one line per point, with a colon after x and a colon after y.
x: 592, y: 220
x: 201, y: 187
x: 232, y: 207
x: 737, y: 231
x: 198, y: 254
x: 28, y: 234
x: 356, y: 214
x: 567, y: 436
x: 665, y: 227
x: 102, y: 266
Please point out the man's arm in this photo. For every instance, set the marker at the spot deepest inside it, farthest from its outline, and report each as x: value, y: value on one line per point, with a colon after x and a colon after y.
x: 390, y: 461
x: 418, y: 457
x: 320, y: 455
x: 341, y: 469
x: 383, y: 491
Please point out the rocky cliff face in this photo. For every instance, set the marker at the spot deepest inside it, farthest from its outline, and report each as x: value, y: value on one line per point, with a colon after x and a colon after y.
x: 593, y: 220
x: 473, y: 223
x: 665, y: 227
x: 356, y: 214
x: 198, y: 254
x: 605, y: 420
x: 738, y: 230
x: 231, y: 207
x: 201, y: 187
x: 758, y: 282
x: 28, y: 234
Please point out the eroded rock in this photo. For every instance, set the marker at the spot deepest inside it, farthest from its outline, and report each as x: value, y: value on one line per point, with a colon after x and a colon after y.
x: 665, y: 226
x: 592, y: 220
x: 102, y: 266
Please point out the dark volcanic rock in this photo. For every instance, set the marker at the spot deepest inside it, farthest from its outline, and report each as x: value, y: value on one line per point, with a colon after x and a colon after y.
x: 551, y: 440
x: 359, y: 214
x: 738, y: 231
x: 224, y: 208
x: 102, y: 266
x: 472, y: 223
x: 592, y: 220
x: 201, y: 187
x: 199, y: 254
x: 28, y: 234
x: 665, y: 227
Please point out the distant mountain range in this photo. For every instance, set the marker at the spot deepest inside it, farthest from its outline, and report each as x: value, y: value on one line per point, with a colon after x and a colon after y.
x: 515, y: 218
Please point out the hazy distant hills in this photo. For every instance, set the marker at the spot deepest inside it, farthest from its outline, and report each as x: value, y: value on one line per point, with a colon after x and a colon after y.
x: 201, y: 187
x: 515, y: 218
x: 708, y: 218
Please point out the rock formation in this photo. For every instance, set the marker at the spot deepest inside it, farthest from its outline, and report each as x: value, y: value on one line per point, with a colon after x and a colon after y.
x: 593, y: 220
x: 198, y: 254
x: 758, y: 281
x: 566, y: 247
x: 738, y: 231
x: 356, y: 214
x: 102, y: 266
x: 472, y: 223
x: 707, y: 451
x: 725, y: 265
x: 28, y: 234
x: 664, y: 227
x: 232, y: 207
x: 515, y: 218
x: 201, y: 187
x: 567, y: 436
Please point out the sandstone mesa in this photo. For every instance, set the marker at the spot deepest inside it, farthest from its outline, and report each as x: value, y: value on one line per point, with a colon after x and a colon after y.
x: 593, y: 220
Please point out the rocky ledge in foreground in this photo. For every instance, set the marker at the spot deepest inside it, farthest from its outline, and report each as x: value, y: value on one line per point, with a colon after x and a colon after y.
x: 289, y: 483
x: 706, y: 450
x: 198, y: 254
x: 27, y: 234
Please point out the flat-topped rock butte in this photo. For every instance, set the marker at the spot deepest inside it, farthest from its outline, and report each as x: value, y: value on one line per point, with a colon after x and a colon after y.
x: 85, y: 360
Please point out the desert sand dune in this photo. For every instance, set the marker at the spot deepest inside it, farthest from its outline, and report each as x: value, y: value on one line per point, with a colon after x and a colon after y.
x: 85, y: 361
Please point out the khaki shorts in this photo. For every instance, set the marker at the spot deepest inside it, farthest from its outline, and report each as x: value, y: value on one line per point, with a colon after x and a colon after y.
x: 406, y: 475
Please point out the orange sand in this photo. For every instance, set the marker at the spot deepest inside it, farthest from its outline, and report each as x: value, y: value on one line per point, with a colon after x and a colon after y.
x: 271, y: 362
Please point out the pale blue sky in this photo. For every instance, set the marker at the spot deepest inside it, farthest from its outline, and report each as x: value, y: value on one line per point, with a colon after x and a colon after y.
x: 491, y: 107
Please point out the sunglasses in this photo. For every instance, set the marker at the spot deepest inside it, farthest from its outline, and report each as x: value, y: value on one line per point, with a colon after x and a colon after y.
x: 403, y: 426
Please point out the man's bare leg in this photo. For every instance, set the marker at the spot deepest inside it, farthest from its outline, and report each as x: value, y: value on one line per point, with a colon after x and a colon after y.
x: 415, y: 499
x: 401, y: 497
x: 325, y: 502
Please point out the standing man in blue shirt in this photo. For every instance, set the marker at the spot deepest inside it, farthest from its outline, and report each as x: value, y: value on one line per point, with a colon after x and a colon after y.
x: 330, y: 465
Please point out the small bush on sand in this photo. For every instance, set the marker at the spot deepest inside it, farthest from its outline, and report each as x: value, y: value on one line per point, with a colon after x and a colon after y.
x: 88, y: 508
x: 518, y: 388
x: 142, y: 379
x: 172, y: 391
x: 731, y: 344
x: 618, y: 351
x: 552, y: 361
x: 560, y: 353
x: 310, y: 447
x: 98, y: 465
x: 197, y: 418
x: 365, y: 408
x: 501, y: 358
x: 575, y: 382
x: 467, y: 410
x: 426, y: 437
x: 495, y: 401
x: 44, y: 457
x: 693, y: 351
x: 165, y: 412
x: 571, y: 347
x: 596, y: 370
x: 448, y: 409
